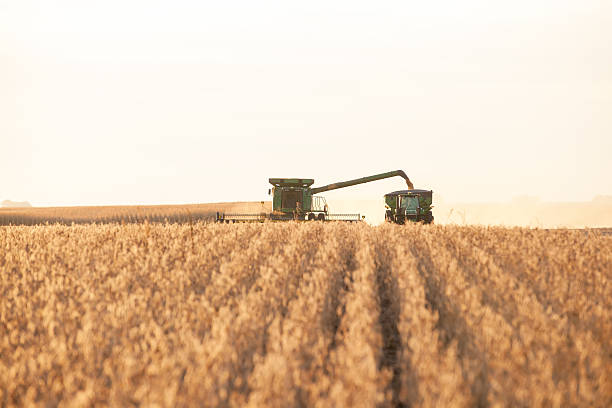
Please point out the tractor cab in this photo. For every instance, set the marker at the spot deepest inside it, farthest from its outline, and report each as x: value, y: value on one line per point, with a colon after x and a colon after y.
x: 409, y: 205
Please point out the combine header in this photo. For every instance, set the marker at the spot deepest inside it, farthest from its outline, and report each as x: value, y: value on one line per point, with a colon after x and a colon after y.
x: 294, y: 199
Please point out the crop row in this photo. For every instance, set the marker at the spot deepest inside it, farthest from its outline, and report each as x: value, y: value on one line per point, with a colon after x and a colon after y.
x: 304, y: 315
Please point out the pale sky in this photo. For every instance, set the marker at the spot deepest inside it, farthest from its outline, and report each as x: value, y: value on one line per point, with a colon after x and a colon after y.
x: 160, y: 102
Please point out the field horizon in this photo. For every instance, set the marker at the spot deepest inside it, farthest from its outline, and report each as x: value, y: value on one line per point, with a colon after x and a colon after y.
x: 527, y: 212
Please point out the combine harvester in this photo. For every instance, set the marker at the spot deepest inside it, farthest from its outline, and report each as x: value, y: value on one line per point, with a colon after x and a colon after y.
x: 294, y: 199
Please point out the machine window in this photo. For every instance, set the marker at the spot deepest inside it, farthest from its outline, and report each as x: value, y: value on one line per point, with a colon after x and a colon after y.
x: 289, y: 199
x: 410, y: 204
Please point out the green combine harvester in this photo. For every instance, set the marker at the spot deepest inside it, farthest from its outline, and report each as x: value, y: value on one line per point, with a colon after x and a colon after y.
x: 295, y: 199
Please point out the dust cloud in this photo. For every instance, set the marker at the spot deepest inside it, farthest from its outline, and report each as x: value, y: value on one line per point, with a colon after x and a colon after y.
x: 15, y: 204
x: 521, y: 211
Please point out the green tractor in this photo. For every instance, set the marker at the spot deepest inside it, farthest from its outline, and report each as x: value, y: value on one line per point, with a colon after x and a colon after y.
x: 409, y: 205
x: 295, y: 199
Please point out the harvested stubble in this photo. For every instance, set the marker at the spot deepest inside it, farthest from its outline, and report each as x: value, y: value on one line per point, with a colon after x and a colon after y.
x: 307, y: 314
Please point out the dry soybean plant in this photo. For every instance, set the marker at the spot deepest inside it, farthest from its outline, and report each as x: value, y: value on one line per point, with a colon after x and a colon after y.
x: 304, y: 314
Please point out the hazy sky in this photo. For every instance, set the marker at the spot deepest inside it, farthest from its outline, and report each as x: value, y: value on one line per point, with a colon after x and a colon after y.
x: 127, y: 102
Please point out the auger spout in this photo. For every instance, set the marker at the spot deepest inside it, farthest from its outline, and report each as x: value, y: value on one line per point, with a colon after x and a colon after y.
x: 362, y: 180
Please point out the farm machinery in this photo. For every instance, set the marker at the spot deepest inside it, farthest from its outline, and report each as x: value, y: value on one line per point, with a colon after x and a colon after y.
x: 295, y: 199
x: 409, y: 205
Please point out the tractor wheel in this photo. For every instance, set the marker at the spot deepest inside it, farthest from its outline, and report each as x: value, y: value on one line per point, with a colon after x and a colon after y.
x: 388, y: 216
x: 311, y: 216
x: 321, y: 217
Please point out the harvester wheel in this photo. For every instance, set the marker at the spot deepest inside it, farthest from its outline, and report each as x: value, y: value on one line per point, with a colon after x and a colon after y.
x: 388, y: 216
x: 311, y: 216
x: 321, y: 217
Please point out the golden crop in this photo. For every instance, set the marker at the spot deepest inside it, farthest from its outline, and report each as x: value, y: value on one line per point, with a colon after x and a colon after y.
x: 304, y: 314
x: 186, y: 213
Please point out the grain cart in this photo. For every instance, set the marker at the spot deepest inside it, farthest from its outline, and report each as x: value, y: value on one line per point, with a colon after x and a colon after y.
x: 409, y: 205
x: 295, y: 199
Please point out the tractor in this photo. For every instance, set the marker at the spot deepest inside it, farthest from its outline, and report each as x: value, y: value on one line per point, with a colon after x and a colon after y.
x: 409, y: 205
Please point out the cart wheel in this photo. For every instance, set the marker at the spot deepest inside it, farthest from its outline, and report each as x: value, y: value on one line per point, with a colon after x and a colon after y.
x: 321, y: 217
x: 311, y: 216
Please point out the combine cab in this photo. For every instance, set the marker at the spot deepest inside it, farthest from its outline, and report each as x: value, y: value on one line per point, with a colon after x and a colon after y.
x: 409, y: 205
x: 293, y: 199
